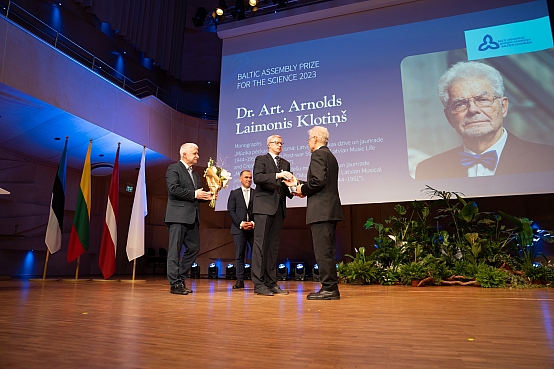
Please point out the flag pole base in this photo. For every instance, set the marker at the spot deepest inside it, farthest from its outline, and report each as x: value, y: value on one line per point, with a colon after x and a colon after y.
x: 105, y: 280
x: 75, y: 280
x: 133, y: 281
x: 43, y: 280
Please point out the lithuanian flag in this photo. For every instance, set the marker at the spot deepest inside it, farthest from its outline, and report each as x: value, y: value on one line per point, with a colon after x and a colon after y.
x: 79, y: 238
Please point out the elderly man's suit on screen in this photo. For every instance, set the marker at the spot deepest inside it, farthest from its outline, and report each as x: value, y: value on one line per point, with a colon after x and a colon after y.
x: 518, y: 156
x: 182, y: 216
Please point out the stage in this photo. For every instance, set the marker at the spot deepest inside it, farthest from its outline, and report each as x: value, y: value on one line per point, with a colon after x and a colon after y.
x: 141, y: 325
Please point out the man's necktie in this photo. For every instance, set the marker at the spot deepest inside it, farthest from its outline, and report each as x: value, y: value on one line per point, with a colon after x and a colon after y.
x: 191, y: 176
x: 278, y: 163
x: 247, y: 200
x: 487, y: 159
x: 246, y: 196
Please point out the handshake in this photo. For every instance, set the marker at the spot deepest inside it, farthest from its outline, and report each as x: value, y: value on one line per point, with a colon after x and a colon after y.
x: 295, y: 187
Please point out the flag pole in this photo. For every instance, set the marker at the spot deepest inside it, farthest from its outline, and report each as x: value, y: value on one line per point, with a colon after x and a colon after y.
x: 43, y: 279
x: 46, y: 263
x: 77, y: 267
x: 76, y: 279
x: 136, y: 229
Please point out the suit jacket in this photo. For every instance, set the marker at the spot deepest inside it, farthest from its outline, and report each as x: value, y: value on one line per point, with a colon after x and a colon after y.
x: 321, y: 187
x: 237, y: 210
x: 518, y: 156
x: 269, y: 190
x: 182, y: 205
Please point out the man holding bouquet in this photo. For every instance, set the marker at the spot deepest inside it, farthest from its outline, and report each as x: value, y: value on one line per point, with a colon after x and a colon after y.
x: 182, y: 216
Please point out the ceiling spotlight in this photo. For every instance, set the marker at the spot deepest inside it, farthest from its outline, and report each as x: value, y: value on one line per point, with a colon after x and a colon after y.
x: 221, y: 7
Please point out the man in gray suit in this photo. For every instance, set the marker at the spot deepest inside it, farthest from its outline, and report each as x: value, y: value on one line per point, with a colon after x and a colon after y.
x: 269, y: 213
x: 323, y: 211
x: 182, y: 216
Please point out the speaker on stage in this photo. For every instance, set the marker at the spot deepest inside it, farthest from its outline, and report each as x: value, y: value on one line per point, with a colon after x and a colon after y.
x: 315, y: 273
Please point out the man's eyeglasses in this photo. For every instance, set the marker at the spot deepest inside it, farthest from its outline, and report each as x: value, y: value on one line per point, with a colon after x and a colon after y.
x: 277, y: 143
x: 460, y: 106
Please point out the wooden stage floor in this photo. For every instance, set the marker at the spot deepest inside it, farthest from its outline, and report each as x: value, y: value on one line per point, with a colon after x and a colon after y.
x: 122, y: 325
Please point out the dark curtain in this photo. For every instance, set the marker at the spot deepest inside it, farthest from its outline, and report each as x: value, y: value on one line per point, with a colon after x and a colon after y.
x: 155, y: 27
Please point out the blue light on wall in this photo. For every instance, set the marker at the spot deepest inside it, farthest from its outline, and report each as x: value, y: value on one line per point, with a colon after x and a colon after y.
x: 28, y: 266
x: 55, y: 18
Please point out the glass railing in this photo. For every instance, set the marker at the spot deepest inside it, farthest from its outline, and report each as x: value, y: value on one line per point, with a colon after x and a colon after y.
x: 141, y: 88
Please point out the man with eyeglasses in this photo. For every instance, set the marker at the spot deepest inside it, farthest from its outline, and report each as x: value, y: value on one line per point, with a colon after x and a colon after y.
x: 323, y: 211
x: 472, y: 94
x: 269, y: 213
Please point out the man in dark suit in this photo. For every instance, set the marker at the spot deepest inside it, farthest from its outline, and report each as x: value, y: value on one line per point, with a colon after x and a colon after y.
x: 269, y: 213
x: 472, y: 94
x: 182, y: 216
x: 323, y: 211
x: 239, y: 208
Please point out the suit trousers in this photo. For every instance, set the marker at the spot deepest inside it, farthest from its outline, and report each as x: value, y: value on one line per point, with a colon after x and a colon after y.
x: 267, y: 236
x: 325, y: 246
x: 240, y: 250
x: 179, y: 234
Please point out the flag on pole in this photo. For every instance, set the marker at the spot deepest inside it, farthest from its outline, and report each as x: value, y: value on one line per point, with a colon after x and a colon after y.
x: 108, y: 246
x: 54, y: 229
x: 79, y: 238
x: 135, y: 238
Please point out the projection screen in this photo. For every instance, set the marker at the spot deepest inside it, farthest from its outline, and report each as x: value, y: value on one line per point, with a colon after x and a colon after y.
x: 370, y: 77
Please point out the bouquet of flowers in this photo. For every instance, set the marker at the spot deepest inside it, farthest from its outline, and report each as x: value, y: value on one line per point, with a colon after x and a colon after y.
x: 217, y: 179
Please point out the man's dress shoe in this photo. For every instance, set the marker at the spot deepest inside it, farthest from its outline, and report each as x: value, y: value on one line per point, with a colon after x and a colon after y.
x: 178, y: 289
x: 264, y: 291
x: 278, y: 291
x: 239, y: 284
x: 186, y: 289
x: 324, y: 295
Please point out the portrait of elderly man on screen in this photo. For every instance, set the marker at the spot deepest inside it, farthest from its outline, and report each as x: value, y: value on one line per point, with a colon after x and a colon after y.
x: 475, y: 105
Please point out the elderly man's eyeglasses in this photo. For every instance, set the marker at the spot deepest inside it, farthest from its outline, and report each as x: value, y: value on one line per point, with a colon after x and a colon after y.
x: 277, y: 143
x: 460, y: 106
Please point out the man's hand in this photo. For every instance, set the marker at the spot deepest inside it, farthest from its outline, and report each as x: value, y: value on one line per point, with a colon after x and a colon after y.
x: 293, y: 181
x: 247, y: 226
x: 299, y: 191
x: 284, y: 175
x: 203, y: 195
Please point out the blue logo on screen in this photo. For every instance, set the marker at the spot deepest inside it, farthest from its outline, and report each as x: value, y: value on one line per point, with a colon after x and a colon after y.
x: 488, y: 43
x: 508, y: 39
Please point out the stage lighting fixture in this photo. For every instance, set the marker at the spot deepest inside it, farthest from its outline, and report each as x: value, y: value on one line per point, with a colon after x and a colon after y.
x: 247, y: 272
x: 231, y: 271
x: 299, y: 272
x: 315, y: 273
x: 282, y: 272
x: 199, y: 17
x: 195, y: 271
x: 252, y: 3
x: 221, y: 7
x: 213, y: 271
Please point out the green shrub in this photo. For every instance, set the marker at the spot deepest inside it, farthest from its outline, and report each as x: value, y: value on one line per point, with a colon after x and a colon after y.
x: 491, y: 277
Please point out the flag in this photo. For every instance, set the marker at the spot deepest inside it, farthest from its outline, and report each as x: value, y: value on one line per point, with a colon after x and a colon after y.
x: 54, y: 229
x: 108, y: 246
x: 79, y: 238
x: 135, y: 238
